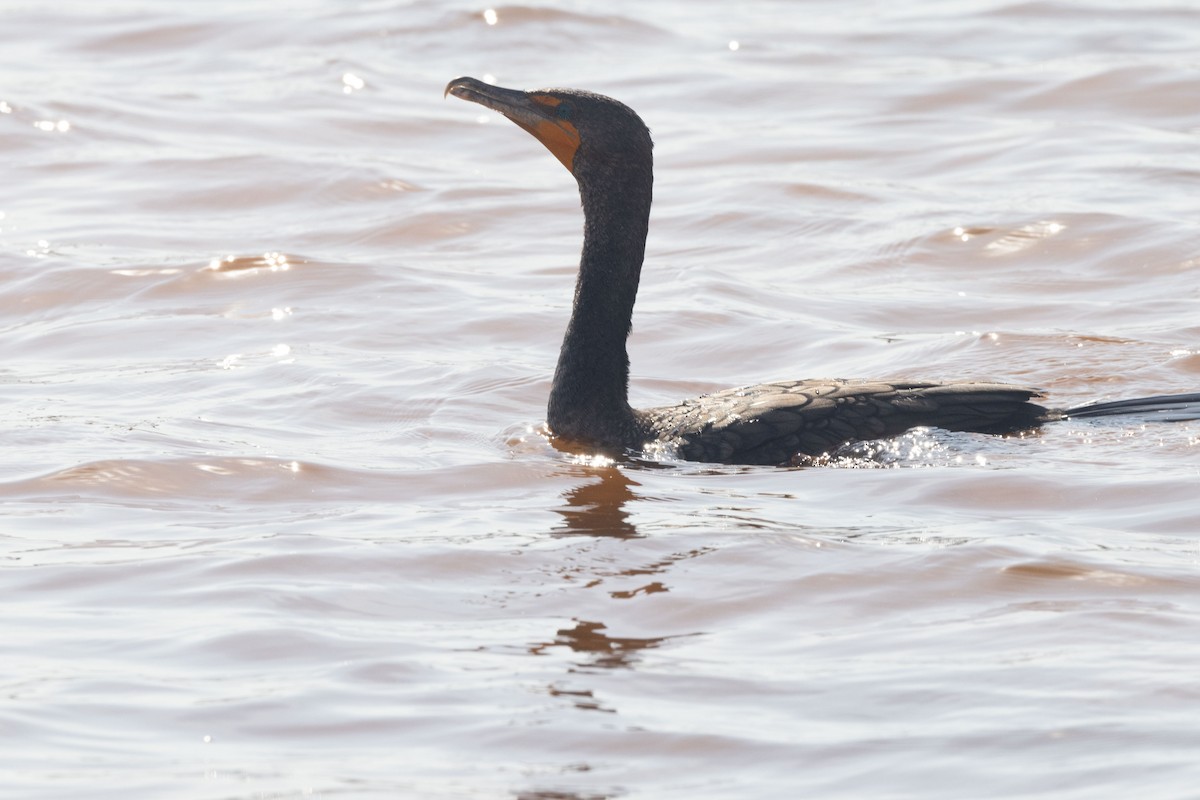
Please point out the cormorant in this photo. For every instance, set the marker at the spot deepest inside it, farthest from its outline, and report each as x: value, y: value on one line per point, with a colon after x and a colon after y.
x: 607, y: 147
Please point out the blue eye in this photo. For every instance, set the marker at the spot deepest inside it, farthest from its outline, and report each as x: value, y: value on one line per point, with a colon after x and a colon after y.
x: 563, y: 110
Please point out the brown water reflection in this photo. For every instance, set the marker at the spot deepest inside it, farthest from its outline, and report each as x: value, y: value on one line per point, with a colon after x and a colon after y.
x: 554, y: 795
x: 600, y: 650
x: 597, y: 507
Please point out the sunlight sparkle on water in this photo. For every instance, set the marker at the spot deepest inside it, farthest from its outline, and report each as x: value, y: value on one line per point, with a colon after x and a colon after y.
x: 237, y: 266
x: 278, y: 262
x: 593, y: 460
x: 490, y: 16
x: 352, y: 83
x: 1025, y: 236
x: 141, y: 273
x: 217, y: 264
x: 62, y: 126
x: 734, y: 45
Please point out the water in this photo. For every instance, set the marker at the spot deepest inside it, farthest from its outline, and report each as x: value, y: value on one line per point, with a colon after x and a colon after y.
x: 279, y: 323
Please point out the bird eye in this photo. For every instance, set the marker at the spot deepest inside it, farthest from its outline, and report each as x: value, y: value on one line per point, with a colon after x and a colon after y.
x: 563, y: 110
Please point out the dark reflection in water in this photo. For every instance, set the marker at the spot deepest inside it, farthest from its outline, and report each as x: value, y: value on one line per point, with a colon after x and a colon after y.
x: 555, y: 795
x: 583, y: 699
x: 601, y: 650
x: 597, y: 508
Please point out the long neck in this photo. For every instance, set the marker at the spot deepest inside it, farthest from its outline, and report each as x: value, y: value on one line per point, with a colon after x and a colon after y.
x: 589, y: 400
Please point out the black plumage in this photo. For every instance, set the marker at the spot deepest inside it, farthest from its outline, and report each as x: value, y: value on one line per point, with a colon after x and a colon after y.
x: 607, y: 147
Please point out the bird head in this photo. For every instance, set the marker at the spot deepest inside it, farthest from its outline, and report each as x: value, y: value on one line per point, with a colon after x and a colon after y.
x: 587, y: 132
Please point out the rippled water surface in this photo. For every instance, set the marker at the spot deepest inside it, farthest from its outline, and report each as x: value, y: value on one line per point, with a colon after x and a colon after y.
x: 279, y: 322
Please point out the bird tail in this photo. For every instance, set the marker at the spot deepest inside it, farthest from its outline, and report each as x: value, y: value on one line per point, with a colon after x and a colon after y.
x: 1160, y: 408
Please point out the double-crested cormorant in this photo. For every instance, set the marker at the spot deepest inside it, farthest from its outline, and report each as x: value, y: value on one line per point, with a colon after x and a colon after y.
x: 607, y: 147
